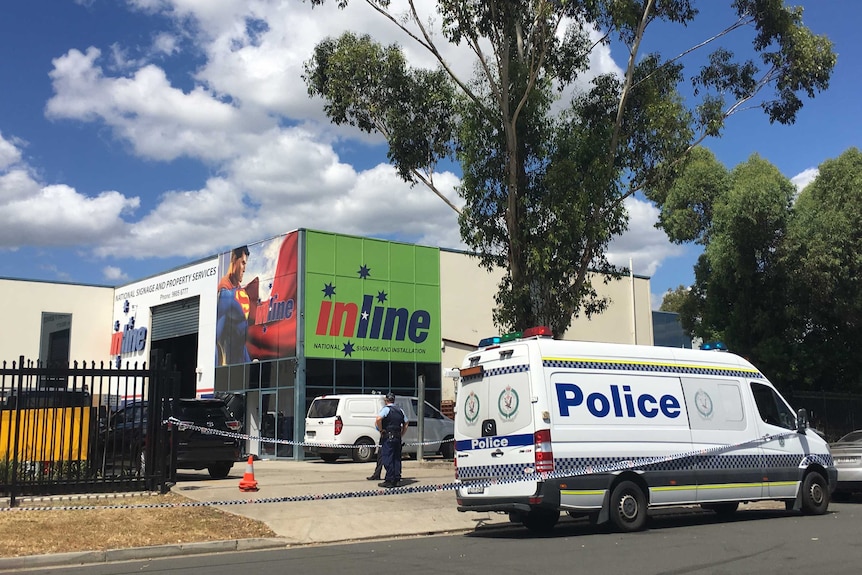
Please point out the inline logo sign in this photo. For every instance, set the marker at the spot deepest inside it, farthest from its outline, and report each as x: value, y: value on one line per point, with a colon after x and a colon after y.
x: 369, y: 321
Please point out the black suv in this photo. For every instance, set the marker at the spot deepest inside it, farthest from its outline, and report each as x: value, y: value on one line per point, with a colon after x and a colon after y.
x: 124, y: 435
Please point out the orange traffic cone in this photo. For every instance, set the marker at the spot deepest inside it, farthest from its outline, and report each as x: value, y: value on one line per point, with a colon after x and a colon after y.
x: 248, y: 483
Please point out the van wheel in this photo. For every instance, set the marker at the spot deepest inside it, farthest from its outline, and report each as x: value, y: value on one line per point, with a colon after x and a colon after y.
x: 364, y: 450
x: 220, y: 469
x: 447, y: 449
x: 541, y: 520
x: 628, y: 507
x: 723, y: 510
x: 815, y: 494
x: 329, y: 457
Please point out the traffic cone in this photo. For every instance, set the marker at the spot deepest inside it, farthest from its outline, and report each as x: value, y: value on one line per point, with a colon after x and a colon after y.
x: 248, y: 483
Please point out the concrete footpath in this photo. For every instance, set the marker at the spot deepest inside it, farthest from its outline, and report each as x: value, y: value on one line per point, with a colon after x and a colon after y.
x: 329, y: 518
x: 332, y: 516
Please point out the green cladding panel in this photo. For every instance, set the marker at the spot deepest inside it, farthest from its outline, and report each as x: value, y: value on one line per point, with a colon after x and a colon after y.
x: 371, y: 299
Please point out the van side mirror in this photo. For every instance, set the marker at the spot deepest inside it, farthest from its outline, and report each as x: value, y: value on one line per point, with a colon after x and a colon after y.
x: 801, y: 420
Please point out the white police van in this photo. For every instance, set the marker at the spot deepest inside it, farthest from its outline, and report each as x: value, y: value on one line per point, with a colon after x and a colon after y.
x: 608, y: 430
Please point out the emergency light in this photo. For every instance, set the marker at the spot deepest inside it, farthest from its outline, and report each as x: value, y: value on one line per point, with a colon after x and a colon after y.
x: 542, y: 330
x: 713, y: 346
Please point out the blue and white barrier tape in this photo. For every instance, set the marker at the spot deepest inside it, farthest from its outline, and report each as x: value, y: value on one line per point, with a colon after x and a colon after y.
x: 184, y: 425
x: 406, y: 490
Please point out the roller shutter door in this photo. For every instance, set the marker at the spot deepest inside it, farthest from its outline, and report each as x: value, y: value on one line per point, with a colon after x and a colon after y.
x: 175, y: 319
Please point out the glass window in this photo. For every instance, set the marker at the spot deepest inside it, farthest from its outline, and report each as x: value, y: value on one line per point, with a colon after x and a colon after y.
x: 773, y: 410
x: 348, y: 376
x: 222, y: 379
x: 236, y: 377
x: 286, y: 373
x: 375, y: 376
x: 320, y: 375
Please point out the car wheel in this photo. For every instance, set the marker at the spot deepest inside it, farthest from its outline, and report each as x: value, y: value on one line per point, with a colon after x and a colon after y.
x: 815, y: 494
x: 628, y: 507
x: 447, y: 449
x: 329, y: 457
x: 541, y: 520
x: 364, y: 451
x: 723, y: 510
x: 220, y: 469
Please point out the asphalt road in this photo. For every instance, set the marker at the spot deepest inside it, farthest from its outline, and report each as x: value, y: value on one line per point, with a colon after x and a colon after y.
x: 677, y: 543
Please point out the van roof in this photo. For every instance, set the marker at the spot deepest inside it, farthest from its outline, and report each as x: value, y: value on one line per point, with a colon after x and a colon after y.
x: 551, y: 348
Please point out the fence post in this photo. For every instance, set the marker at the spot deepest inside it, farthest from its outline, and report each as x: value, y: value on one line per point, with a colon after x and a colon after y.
x: 13, y: 483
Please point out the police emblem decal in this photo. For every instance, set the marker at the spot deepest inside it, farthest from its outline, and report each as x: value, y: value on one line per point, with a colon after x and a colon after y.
x: 471, y: 407
x: 703, y: 403
x: 508, y: 402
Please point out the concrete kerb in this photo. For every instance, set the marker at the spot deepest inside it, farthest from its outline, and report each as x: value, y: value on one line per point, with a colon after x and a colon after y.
x: 317, y: 522
x: 306, y: 523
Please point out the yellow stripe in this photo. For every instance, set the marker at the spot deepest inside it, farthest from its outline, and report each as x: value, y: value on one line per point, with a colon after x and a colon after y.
x: 689, y: 487
x: 732, y: 485
x: 651, y: 363
x: 585, y: 492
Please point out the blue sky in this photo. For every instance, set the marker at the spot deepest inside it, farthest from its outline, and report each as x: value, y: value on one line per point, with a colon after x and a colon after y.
x: 139, y: 135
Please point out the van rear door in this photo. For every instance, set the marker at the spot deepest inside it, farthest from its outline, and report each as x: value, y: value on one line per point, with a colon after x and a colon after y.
x: 494, y: 426
x: 320, y: 420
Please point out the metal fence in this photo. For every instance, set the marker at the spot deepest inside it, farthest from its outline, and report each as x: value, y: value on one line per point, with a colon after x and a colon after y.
x: 83, y: 428
x: 833, y: 413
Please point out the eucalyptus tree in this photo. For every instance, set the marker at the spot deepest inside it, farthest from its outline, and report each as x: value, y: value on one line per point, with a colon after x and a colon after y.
x: 544, y: 189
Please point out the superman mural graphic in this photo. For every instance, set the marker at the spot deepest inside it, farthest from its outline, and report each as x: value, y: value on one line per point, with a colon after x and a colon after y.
x: 257, y: 320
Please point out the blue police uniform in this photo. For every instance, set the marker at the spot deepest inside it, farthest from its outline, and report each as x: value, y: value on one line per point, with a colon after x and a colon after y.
x: 393, y: 419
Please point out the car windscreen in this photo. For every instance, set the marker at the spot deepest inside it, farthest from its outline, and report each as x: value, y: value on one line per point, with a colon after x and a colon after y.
x: 200, y: 411
x: 851, y: 437
x: 323, y: 408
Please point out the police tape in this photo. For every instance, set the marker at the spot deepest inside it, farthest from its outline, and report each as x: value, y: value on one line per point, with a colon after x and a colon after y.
x: 564, y: 472
x: 209, y: 431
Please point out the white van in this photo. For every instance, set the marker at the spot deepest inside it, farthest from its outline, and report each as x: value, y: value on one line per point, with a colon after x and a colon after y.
x: 608, y: 430
x: 334, y: 420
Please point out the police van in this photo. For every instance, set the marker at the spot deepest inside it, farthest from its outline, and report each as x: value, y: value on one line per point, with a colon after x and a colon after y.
x: 609, y: 430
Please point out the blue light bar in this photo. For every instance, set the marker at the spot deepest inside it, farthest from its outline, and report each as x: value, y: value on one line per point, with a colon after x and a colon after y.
x: 489, y: 341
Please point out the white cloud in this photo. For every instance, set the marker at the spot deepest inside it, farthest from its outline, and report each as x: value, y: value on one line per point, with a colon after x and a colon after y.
x: 29, y: 207
x: 270, y: 147
x: 9, y: 153
x: 643, y: 244
x: 804, y: 178
x: 166, y: 44
x: 114, y: 274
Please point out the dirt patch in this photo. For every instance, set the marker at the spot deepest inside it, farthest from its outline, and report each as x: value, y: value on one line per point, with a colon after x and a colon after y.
x: 41, y: 532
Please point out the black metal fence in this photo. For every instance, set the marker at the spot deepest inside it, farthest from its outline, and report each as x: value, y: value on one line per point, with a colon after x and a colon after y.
x: 833, y: 413
x: 83, y: 428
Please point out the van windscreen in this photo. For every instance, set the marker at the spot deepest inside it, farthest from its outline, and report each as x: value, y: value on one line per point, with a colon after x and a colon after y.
x: 323, y: 408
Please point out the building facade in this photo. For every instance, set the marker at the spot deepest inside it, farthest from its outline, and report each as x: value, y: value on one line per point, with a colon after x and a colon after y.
x: 271, y: 325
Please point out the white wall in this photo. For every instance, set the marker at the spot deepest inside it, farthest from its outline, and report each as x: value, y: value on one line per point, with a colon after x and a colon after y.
x: 467, y: 300
x: 197, y: 279
x: 22, y: 303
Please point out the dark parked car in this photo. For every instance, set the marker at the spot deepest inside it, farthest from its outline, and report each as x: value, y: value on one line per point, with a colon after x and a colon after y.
x: 124, y: 435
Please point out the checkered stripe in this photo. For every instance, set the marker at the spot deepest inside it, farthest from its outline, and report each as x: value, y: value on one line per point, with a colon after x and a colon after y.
x: 650, y: 367
x: 589, y: 465
x: 507, y: 370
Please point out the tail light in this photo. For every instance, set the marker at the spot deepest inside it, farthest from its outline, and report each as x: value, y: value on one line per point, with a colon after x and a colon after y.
x: 233, y: 425
x: 544, y: 452
x: 339, y: 425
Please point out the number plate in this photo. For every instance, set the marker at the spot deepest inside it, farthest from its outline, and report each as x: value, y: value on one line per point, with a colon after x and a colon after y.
x: 476, y: 489
x: 846, y: 459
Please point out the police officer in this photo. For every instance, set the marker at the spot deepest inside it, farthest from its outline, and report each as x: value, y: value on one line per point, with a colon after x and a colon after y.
x: 392, y: 424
